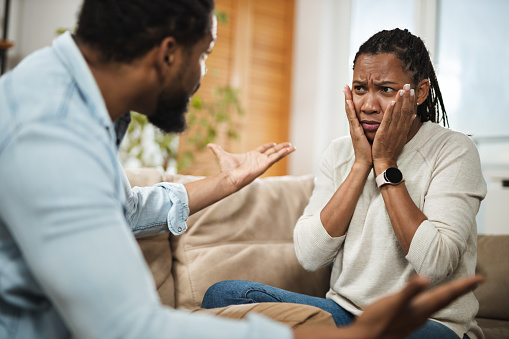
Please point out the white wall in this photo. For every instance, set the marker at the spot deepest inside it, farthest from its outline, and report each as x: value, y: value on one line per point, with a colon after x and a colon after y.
x: 320, y: 72
x: 33, y: 24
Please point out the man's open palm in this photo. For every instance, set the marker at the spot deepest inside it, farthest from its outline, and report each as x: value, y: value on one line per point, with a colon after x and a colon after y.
x: 244, y: 168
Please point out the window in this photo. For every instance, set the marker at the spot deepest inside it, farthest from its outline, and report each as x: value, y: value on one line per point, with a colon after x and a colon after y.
x: 472, y: 65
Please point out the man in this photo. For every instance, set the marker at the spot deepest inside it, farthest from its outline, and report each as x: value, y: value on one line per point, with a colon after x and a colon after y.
x: 70, y: 267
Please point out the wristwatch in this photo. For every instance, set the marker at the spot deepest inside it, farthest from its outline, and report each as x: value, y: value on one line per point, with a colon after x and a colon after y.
x: 391, y: 176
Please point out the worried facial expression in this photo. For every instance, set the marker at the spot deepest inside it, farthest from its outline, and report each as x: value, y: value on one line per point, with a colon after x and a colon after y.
x: 173, y: 103
x: 376, y: 82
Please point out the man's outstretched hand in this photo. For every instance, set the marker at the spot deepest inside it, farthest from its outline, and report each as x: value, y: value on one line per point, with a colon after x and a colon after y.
x: 237, y: 170
x: 241, y: 169
x: 399, y: 314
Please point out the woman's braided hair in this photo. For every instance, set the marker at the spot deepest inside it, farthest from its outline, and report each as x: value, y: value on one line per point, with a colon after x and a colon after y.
x: 124, y: 30
x: 414, y: 56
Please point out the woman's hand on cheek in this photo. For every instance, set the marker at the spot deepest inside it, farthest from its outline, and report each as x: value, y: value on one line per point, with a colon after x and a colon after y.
x: 361, y: 145
x: 393, y: 133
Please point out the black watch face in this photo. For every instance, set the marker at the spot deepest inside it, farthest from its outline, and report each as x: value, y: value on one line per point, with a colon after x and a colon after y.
x: 393, y: 175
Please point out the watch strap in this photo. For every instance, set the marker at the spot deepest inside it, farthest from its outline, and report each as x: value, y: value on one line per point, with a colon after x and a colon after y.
x: 382, y: 178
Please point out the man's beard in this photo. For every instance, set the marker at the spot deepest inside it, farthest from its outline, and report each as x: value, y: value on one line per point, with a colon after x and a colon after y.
x: 170, y: 114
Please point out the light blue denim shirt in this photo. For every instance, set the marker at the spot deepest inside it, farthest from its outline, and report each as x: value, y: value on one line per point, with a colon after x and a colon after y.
x: 69, y: 264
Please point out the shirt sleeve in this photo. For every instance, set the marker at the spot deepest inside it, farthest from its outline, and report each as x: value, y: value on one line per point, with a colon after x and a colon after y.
x: 314, y: 247
x: 158, y: 209
x: 65, y: 214
x: 452, y: 201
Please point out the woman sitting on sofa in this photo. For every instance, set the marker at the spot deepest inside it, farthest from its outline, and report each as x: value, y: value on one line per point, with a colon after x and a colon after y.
x: 397, y: 197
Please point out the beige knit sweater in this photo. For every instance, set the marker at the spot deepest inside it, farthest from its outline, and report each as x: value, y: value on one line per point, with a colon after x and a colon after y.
x: 443, y: 175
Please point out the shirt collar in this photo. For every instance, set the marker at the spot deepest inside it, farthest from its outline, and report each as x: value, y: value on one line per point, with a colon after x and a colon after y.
x: 70, y: 55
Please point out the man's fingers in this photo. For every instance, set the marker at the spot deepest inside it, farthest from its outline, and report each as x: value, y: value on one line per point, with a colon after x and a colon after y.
x: 436, y: 299
x: 280, y: 154
x: 277, y: 148
x: 414, y: 286
x: 263, y: 148
x: 272, y: 147
x: 216, y: 149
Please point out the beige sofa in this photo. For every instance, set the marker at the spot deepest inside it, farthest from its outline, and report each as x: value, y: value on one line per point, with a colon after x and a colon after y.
x: 248, y: 236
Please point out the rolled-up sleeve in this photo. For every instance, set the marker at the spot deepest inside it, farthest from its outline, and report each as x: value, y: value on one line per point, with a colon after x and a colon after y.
x: 158, y: 209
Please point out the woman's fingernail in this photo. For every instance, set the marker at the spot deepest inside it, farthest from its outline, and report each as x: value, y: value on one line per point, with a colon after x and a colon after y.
x: 406, y: 87
x: 412, y: 92
x: 393, y: 103
x: 401, y: 93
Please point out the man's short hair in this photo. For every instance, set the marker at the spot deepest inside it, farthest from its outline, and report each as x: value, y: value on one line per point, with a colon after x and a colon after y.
x: 123, y: 30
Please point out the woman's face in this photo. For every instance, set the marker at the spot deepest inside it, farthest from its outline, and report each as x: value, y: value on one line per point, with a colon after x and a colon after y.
x: 376, y: 82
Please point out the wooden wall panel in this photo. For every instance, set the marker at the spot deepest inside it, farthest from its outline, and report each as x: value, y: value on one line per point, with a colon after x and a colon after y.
x: 253, y: 53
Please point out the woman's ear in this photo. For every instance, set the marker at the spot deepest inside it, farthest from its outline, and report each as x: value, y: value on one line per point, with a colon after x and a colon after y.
x: 422, y: 91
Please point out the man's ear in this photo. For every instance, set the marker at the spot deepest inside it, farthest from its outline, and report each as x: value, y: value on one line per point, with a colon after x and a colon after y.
x: 167, y: 52
x: 422, y: 91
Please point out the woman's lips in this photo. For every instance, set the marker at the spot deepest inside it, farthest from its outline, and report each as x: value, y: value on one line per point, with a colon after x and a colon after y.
x: 370, y: 126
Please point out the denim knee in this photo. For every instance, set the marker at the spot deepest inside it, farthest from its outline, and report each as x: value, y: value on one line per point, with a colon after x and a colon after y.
x: 218, y: 294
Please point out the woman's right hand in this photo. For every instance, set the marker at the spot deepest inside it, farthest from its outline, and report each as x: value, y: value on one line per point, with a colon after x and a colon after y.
x: 361, y: 145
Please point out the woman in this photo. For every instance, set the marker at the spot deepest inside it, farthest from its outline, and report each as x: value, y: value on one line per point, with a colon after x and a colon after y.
x: 397, y: 197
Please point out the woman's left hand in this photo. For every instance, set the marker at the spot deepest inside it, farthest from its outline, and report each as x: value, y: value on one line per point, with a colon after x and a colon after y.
x: 394, y: 130
x: 241, y: 169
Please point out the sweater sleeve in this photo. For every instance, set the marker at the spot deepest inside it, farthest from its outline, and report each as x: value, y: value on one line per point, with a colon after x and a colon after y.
x: 314, y: 247
x: 452, y: 201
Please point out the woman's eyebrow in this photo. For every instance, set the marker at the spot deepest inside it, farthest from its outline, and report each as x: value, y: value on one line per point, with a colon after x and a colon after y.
x: 384, y: 83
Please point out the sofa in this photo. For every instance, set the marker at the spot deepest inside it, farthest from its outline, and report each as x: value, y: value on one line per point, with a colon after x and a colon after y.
x: 248, y: 236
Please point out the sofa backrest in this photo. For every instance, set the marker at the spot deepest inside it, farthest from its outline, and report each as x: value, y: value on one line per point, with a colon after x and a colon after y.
x: 246, y: 236
x: 493, y: 263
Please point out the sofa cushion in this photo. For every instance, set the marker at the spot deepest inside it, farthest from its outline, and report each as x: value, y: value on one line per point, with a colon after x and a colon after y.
x: 246, y: 236
x: 293, y: 315
x: 493, y: 294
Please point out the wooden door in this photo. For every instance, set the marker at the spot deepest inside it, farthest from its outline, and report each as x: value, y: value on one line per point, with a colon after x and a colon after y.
x: 253, y: 53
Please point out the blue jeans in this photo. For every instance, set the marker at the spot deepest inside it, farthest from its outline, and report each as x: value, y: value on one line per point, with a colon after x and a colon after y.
x: 235, y: 292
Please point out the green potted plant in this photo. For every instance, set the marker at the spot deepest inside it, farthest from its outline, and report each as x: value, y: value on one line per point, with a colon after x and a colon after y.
x: 146, y: 146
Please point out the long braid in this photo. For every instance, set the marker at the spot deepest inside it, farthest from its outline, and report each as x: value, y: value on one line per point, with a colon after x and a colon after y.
x: 414, y: 56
